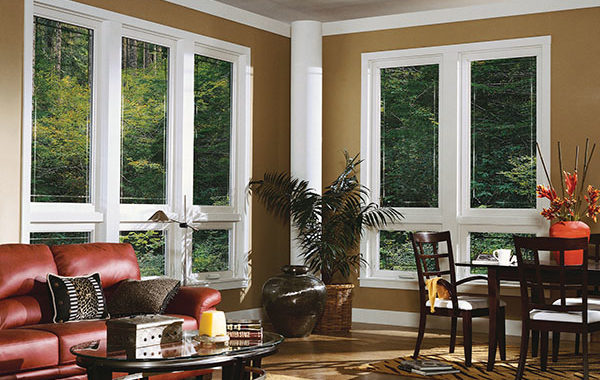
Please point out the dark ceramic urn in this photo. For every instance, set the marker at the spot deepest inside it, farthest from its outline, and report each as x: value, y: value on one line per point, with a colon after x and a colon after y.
x: 294, y: 301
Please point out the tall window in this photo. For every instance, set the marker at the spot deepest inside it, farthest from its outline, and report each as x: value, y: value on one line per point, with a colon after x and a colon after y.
x: 130, y: 117
x: 62, y: 112
x: 463, y: 163
x: 144, y: 122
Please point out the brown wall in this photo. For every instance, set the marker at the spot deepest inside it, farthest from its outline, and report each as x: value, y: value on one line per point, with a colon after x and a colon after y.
x: 11, y: 74
x: 270, y: 55
x: 575, y: 93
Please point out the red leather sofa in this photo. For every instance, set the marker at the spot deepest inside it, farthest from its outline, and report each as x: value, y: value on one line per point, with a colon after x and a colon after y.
x: 31, y: 346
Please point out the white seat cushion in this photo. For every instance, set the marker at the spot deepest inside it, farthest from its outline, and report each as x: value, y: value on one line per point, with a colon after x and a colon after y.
x: 593, y: 303
x: 464, y: 303
x: 557, y: 316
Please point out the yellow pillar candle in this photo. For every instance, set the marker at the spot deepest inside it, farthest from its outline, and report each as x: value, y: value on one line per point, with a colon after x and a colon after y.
x: 212, y: 323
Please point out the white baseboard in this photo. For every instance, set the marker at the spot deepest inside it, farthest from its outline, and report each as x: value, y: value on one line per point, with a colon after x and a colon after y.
x: 256, y: 313
x: 409, y: 319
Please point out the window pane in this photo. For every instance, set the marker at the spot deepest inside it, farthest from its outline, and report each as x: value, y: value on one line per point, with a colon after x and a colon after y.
x: 144, y: 98
x: 62, y: 109
x: 488, y: 242
x: 503, y: 133
x: 212, y: 130
x: 395, y: 251
x: 211, y: 251
x: 409, y: 136
x: 58, y: 238
x: 150, y: 249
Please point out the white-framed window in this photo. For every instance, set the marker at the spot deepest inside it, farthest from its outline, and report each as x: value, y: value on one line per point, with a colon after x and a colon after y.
x: 125, y: 113
x: 448, y: 138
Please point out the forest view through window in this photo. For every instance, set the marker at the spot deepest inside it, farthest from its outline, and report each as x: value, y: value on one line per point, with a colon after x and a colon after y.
x: 62, y: 112
x: 144, y: 94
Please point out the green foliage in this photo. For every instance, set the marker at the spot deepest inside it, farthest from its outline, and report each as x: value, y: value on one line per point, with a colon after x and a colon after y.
x: 503, y: 133
x: 144, y: 76
x: 149, y: 247
x: 329, y: 226
x: 211, y: 251
x: 61, y: 112
x: 212, y: 130
x: 396, y: 251
x: 59, y: 238
x: 409, y: 136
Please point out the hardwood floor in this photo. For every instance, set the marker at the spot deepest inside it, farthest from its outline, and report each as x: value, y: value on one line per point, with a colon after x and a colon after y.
x: 333, y: 357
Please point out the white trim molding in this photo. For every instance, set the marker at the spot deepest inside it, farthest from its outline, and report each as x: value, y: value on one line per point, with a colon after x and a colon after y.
x: 238, y: 15
x: 443, y: 16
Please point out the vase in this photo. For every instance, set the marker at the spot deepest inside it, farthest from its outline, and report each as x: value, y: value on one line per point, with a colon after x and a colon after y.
x: 294, y: 301
x: 570, y: 229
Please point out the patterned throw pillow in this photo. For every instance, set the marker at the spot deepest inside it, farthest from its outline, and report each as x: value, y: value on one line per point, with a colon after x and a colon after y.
x: 77, y: 298
x: 133, y: 297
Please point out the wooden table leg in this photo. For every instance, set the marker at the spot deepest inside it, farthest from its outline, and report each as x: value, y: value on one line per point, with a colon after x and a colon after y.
x: 233, y: 371
x: 494, y: 304
x: 99, y: 373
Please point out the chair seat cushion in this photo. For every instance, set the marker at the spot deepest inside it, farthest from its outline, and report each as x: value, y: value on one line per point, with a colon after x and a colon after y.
x: 25, y: 349
x: 557, y: 316
x: 593, y: 303
x: 72, y: 333
x: 464, y: 303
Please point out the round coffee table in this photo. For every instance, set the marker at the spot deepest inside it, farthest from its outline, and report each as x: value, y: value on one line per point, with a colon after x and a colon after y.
x: 186, y: 355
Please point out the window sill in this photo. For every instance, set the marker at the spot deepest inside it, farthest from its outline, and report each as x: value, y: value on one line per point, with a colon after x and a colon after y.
x: 226, y: 284
x: 476, y: 287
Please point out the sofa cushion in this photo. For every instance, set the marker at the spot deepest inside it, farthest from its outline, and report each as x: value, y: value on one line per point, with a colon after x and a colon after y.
x: 72, y: 333
x: 114, y: 261
x: 25, y: 310
x: 22, y: 265
x: 24, y: 349
x: 77, y: 298
x: 133, y: 297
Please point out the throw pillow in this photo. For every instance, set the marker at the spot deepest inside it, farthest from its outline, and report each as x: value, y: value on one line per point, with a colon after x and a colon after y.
x: 133, y: 297
x: 77, y: 298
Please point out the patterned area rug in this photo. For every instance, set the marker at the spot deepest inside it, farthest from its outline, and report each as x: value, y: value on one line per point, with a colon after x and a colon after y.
x: 569, y: 366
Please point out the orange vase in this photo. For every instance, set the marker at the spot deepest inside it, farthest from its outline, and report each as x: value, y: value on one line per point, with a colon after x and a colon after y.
x: 574, y: 229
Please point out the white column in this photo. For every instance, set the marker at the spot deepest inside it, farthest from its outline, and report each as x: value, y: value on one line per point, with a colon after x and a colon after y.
x: 306, y: 109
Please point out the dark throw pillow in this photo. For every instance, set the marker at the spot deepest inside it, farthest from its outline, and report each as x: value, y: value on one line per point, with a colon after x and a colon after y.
x: 134, y: 297
x: 77, y: 298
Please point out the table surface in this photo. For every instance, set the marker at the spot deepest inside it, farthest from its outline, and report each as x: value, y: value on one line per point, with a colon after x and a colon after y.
x: 592, y: 265
x: 187, y: 348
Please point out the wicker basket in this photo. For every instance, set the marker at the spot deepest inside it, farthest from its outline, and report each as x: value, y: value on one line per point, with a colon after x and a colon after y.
x: 337, y: 316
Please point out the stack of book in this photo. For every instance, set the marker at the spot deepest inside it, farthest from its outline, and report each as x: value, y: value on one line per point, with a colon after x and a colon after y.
x: 427, y: 367
x: 244, y: 332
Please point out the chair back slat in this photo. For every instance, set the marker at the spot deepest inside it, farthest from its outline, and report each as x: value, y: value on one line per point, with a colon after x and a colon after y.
x: 536, y: 278
x: 429, y: 261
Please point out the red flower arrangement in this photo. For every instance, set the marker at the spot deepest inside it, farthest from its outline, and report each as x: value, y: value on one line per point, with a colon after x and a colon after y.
x: 568, y: 207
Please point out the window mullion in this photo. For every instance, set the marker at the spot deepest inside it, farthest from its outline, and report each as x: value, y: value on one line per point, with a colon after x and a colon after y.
x: 108, y: 132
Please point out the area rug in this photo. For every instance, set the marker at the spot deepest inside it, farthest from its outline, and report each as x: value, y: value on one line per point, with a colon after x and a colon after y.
x: 273, y: 376
x: 569, y: 366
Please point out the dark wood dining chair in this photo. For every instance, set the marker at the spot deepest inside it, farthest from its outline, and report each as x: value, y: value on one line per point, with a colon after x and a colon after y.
x: 545, y: 315
x: 430, y: 259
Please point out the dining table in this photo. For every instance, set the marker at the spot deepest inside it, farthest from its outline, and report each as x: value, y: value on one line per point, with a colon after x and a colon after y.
x: 510, y: 272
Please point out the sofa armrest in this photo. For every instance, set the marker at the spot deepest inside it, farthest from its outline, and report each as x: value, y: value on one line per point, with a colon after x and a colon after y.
x: 193, y: 301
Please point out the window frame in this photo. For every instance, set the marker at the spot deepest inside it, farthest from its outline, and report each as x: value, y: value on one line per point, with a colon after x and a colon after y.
x: 454, y: 212
x: 105, y: 213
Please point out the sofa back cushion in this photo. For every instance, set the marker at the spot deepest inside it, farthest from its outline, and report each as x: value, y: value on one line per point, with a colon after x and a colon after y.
x: 23, y: 289
x: 114, y: 261
x: 24, y: 268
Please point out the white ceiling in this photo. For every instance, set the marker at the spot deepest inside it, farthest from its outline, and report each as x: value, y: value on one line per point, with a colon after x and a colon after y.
x: 337, y: 10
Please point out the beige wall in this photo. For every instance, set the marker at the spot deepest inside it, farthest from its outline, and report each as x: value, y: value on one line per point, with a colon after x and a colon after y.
x: 575, y: 94
x: 11, y: 74
x: 270, y: 55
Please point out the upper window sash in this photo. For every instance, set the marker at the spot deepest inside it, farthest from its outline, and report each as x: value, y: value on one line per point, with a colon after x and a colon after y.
x: 538, y: 47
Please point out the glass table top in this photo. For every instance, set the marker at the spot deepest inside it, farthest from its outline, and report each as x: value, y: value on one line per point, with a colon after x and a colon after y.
x: 188, y: 347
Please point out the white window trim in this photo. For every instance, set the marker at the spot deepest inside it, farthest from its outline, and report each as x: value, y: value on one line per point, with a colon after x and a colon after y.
x: 454, y: 212
x: 105, y: 213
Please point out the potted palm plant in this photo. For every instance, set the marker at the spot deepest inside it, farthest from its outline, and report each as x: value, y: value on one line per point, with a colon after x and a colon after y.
x: 328, y: 230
